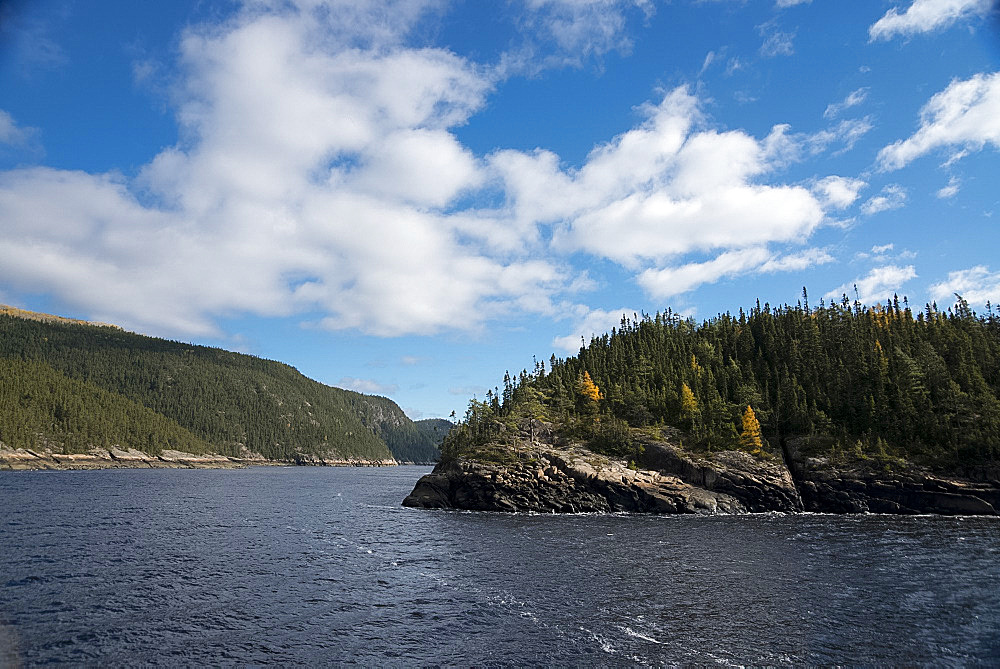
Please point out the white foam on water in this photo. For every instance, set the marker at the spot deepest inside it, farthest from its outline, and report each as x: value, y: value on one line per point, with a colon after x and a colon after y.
x: 638, y: 635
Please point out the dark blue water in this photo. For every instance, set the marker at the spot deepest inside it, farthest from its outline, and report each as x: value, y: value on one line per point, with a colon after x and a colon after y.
x: 318, y: 566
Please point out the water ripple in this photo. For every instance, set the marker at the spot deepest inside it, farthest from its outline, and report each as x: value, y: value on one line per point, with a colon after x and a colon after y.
x: 316, y: 566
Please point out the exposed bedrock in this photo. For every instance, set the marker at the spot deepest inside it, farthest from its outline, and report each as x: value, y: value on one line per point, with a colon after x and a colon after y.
x: 548, y: 478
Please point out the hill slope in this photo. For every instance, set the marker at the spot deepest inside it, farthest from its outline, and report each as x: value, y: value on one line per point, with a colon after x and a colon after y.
x: 204, y: 398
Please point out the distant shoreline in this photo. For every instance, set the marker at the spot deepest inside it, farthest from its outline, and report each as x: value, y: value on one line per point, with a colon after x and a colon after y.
x: 22, y: 459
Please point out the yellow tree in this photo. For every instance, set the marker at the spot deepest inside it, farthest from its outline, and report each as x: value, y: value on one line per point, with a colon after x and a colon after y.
x: 588, y: 388
x: 750, y: 439
x: 590, y: 394
x: 689, y: 405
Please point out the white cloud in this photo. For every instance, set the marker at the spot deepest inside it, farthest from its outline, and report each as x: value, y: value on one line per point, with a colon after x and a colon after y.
x: 796, y: 262
x: 10, y: 133
x: 312, y: 177
x: 566, y: 32
x: 710, y: 58
x: 16, y: 138
x: 367, y: 386
x: 924, y: 16
x: 790, y: 3
x: 965, y: 115
x: 891, y: 197
x: 847, y: 132
x: 853, y: 99
x: 885, y: 253
x: 951, y: 190
x: 876, y: 286
x: 671, y: 281
x: 778, y: 44
x: 592, y: 322
x: 665, y: 188
x: 838, y: 192
x: 319, y: 172
x: 411, y: 360
x: 977, y: 284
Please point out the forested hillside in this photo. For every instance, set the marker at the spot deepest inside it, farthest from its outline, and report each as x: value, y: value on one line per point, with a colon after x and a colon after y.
x: 74, y: 385
x: 846, y: 380
x: 404, y: 437
x: 436, y: 429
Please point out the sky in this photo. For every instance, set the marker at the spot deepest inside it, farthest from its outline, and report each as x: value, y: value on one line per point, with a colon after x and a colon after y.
x: 409, y: 198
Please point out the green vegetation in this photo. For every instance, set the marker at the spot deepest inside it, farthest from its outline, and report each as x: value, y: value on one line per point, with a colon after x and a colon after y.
x: 404, y: 438
x: 78, y: 385
x: 436, y: 429
x: 41, y: 407
x: 862, y: 382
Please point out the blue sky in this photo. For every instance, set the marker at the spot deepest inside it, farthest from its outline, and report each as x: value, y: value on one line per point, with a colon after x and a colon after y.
x: 409, y: 198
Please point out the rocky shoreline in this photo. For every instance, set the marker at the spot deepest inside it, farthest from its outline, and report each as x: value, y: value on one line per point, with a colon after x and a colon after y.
x: 21, y: 459
x: 548, y: 478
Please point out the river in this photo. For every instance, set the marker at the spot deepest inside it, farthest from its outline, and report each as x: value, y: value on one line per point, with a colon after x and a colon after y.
x: 319, y: 566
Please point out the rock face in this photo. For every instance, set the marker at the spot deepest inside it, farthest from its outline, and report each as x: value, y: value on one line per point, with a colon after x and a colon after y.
x: 826, y: 488
x: 545, y: 478
x: 760, y: 485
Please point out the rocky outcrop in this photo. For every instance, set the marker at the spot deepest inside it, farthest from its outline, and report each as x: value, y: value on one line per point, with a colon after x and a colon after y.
x: 113, y: 458
x: 759, y: 484
x: 547, y: 480
x: 554, y: 477
x: 865, y: 487
x: 21, y: 459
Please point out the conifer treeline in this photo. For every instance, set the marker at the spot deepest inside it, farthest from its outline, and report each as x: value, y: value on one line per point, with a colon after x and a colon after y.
x: 873, y: 380
x: 193, y: 396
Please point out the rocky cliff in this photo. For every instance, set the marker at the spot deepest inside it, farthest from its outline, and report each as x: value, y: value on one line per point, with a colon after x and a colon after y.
x: 547, y: 475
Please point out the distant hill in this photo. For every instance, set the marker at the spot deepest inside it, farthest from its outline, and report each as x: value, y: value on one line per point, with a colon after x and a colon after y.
x: 405, y: 438
x: 435, y: 428
x: 72, y: 385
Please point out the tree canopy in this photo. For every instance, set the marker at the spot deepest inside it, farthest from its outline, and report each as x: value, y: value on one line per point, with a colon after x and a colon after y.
x: 875, y: 381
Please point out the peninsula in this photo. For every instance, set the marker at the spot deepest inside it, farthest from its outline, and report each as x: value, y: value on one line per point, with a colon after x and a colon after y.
x: 840, y: 408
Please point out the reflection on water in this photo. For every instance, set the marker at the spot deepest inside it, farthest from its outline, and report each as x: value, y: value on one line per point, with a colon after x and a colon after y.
x: 315, y: 565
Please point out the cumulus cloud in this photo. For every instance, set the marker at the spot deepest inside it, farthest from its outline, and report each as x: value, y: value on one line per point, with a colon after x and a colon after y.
x: 667, y: 187
x: 837, y: 192
x: 319, y: 172
x: 878, y: 285
x: 924, y: 16
x: 977, y: 284
x: 312, y: 177
x: 964, y: 116
x: 891, y: 197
